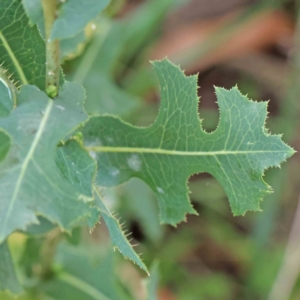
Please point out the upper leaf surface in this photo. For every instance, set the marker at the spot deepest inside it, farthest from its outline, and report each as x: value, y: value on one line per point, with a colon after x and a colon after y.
x: 74, y: 16
x: 22, y: 50
x: 165, y: 154
x: 32, y: 176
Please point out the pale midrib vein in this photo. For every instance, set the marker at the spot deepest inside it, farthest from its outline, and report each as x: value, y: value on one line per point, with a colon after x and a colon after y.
x: 14, y: 59
x: 26, y: 161
x: 175, y: 152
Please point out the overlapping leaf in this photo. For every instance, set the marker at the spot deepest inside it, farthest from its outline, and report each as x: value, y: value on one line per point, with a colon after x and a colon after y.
x: 22, y: 50
x: 104, y: 96
x: 78, y: 167
x: 74, y: 16
x: 165, y: 154
x: 69, y: 47
x: 91, y: 277
x: 33, y: 178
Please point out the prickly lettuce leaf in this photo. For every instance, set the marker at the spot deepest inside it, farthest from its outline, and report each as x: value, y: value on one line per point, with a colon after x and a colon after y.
x: 34, y: 180
x: 168, y: 152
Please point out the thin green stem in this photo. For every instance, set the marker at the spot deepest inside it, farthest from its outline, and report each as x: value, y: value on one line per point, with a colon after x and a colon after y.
x: 52, y: 49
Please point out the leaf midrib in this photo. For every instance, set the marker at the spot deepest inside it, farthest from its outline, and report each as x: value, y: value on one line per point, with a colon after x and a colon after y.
x: 26, y: 161
x: 176, y: 152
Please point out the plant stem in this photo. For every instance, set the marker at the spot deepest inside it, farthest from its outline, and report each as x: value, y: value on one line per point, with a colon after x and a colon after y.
x: 52, y: 49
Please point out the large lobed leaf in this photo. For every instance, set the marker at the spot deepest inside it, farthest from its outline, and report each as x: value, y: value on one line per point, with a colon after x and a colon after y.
x: 165, y: 154
x: 33, y: 174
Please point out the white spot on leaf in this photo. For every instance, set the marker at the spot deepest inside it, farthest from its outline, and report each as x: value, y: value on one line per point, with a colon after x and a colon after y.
x: 60, y: 107
x: 134, y: 162
x: 114, y: 172
x: 93, y: 154
x: 160, y: 190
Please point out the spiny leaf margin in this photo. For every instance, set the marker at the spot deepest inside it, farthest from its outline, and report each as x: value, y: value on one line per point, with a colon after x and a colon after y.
x: 124, y: 151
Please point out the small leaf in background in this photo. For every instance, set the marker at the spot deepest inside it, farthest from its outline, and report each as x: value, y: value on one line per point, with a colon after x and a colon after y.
x: 22, y: 50
x: 41, y: 228
x: 167, y: 153
x: 105, y: 97
x: 118, y: 237
x: 74, y: 16
x: 30, y: 181
x: 34, y: 11
x: 91, y: 277
x: 8, y: 277
x: 71, y: 47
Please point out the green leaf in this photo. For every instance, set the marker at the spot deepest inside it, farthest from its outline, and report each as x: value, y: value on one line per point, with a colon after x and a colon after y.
x: 74, y: 16
x: 76, y: 166
x: 8, y: 277
x: 91, y: 277
x: 118, y: 43
x: 118, y: 238
x: 72, y: 47
x: 104, y: 96
x: 34, y: 11
x: 33, y: 180
x: 22, y: 50
x: 43, y: 227
x: 165, y: 154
